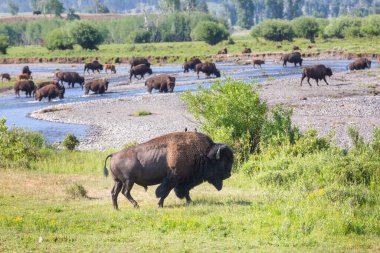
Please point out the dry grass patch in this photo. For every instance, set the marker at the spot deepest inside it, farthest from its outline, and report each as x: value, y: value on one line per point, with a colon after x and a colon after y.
x: 55, y: 109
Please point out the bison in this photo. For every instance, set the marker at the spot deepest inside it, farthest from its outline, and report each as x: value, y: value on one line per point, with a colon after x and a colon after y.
x: 246, y: 51
x: 208, y: 68
x: 138, y: 61
x: 190, y: 65
x: 43, y: 84
x: 361, y: 63
x: 70, y: 78
x: 292, y: 58
x: 95, y: 65
x: 223, y: 51
x: 26, y: 70
x: 37, y: 13
x: 317, y: 72
x: 50, y: 91
x: 140, y: 70
x: 24, y: 77
x: 163, y: 83
x: 296, y: 48
x: 5, y: 76
x: 98, y: 86
x: 178, y: 161
x: 27, y: 86
x: 110, y: 67
x: 258, y: 62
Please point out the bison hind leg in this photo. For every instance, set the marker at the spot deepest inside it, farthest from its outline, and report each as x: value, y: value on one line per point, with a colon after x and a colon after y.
x: 127, y: 187
x: 115, y: 192
x: 164, y: 189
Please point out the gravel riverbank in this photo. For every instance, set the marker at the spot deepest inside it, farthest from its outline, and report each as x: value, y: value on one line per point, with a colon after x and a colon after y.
x: 350, y: 100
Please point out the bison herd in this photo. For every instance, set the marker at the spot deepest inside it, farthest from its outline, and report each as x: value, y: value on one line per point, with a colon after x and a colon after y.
x: 162, y: 82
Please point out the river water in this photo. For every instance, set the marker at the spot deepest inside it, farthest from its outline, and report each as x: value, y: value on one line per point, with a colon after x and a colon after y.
x: 16, y: 110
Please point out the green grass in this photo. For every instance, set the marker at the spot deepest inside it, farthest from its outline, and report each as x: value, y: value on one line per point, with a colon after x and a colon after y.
x: 177, y: 51
x: 141, y: 113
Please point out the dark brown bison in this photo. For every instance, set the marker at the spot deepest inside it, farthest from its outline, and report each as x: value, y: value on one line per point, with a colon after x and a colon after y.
x: 190, y: 65
x: 70, y: 78
x: 50, y: 91
x: 5, y: 76
x: 223, y: 51
x: 296, y: 48
x: 178, y: 161
x: 26, y: 70
x: 27, y: 86
x: 110, y: 67
x: 98, y: 86
x: 316, y: 72
x: 140, y: 70
x: 95, y: 65
x: 43, y: 84
x: 247, y: 51
x: 138, y: 61
x: 208, y: 68
x: 361, y: 63
x: 292, y: 58
x: 258, y: 62
x: 24, y: 77
x: 163, y: 83
x: 37, y: 13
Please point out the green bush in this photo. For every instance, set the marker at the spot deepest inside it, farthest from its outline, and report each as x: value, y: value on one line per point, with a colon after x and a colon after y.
x: 371, y: 25
x: 18, y: 147
x: 306, y: 27
x: 70, y: 142
x: 210, y: 32
x: 237, y: 122
x: 71, y: 15
x: 86, y: 35
x: 59, y: 39
x: 337, y: 27
x: 139, y: 36
x: 3, y: 44
x: 76, y: 191
x: 274, y: 29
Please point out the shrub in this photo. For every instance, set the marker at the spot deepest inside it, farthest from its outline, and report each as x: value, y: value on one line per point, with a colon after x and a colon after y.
x: 139, y: 36
x: 141, y: 113
x: 274, y: 29
x: 76, y: 191
x: 237, y: 122
x: 306, y: 27
x: 70, y: 142
x: 337, y: 27
x: 86, y: 35
x: 59, y: 39
x: 371, y: 25
x: 4, y: 44
x: 18, y: 146
x: 71, y: 15
x: 209, y: 32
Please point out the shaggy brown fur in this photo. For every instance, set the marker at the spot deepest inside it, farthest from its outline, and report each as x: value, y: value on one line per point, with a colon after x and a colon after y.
x: 24, y: 77
x: 138, y: 61
x: 223, y: 51
x: 50, y: 91
x: 95, y: 65
x: 317, y: 72
x: 258, y: 62
x: 43, y: 84
x: 292, y: 58
x: 361, y: 63
x: 208, y: 68
x: 70, y: 78
x: 190, y: 65
x: 163, y: 83
x: 140, y: 70
x: 110, y: 67
x: 5, y: 76
x: 27, y: 86
x: 98, y: 86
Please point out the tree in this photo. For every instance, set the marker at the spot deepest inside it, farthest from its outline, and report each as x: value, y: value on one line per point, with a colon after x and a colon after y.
x: 4, y: 44
x: 306, y: 27
x: 13, y: 8
x: 293, y: 9
x: 170, y: 5
x: 274, y: 8
x: 59, y: 39
x: 71, y: 15
x: 86, y: 35
x: 202, y: 6
x: 54, y: 6
x: 245, y: 13
x: 274, y: 29
x: 209, y: 32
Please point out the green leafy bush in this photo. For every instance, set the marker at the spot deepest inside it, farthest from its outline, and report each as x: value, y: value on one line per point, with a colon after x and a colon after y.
x: 18, y: 147
x: 371, y: 25
x: 86, y: 35
x: 59, y: 39
x: 306, y: 27
x: 76, y: 191
x: 139, y: 36
x: 70, y: 142
x: 337, y: 27
x: 210, y: 32
x: 3, y: 44
x: 274, y: 29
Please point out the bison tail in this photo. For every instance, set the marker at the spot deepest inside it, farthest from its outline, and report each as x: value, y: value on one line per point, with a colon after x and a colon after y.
x: 105, y: 170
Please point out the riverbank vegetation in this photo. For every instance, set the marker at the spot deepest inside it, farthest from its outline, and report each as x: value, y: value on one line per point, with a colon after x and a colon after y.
x: 290, y: 191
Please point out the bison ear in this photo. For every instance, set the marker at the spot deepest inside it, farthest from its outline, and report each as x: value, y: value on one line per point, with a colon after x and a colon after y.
x: 214, y: 153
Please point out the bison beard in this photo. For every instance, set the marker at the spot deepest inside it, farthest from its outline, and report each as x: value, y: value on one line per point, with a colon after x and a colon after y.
x: 178, y: 161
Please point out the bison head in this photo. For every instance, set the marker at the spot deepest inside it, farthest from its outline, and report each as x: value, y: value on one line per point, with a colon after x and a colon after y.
x: 329, y: 72
x: 217, y: 73
x: 61, y: 92
x: 368, y: 63
x: 219, y: 165
x: 150, y: 71
x: 171, y: 84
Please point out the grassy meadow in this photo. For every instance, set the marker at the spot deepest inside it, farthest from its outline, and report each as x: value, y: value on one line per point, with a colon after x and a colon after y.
x: 177, y: 51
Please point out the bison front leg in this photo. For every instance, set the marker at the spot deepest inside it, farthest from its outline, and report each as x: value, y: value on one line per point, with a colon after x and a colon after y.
x: 164, y: 189
x: 127, y: 187
x: 324, y: 79
x: 115, y: 192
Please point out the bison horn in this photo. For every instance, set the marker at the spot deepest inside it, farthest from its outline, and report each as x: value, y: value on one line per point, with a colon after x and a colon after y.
x: 217, y: 156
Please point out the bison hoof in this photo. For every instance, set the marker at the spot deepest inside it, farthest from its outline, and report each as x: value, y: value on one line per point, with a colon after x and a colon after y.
x: 136, y: 206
